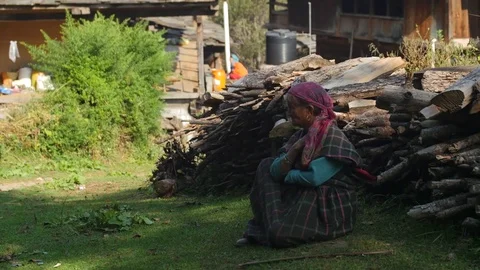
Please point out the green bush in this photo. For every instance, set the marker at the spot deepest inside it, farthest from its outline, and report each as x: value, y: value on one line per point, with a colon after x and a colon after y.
x: 106, y: 74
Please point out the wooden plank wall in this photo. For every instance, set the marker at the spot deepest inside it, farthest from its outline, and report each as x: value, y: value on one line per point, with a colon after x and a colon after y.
x: 458, y: 19
x: 186, y: 71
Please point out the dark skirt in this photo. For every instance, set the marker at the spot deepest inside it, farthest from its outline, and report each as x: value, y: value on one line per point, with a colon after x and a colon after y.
x: 289, y: 215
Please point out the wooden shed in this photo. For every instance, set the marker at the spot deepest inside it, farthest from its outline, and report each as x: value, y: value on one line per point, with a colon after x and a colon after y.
x: 383, y: 22
x: 181, y: 34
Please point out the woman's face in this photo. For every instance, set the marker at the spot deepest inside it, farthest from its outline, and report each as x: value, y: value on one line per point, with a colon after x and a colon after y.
x: 302, y: 116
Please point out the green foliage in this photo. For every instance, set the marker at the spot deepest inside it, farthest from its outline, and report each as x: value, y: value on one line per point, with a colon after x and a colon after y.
x: 106, y: 74
x: 110, y: 218
x: 419, y: 53
x: 23, y: 168
x: 66, y: 183
x: 247, y: 18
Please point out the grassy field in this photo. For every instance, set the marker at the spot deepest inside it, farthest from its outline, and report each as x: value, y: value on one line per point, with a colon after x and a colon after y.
x: 198, y: 233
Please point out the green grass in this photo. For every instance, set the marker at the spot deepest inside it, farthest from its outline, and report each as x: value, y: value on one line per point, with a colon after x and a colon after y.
x: 198, y: 233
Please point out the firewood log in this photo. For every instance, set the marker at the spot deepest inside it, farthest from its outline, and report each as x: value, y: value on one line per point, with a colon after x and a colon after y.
x: 380, y: 132
x: 467, y: 160
x: 453, y: 183
x: 366, y: 72
x: 465, y: 143
x: 252, y: 93
x: 399, y: 99
x: 377, y: 151
x: 431, y: 209
x: 458, y: 95
x: 373, y: 142
x: 436, y: 134
x: 345, y: 94
x: 381, y: 120
x: 438, y: 173
x: 471, y: 224
x: 475, y: 189
x: 431, y: 152
x: 456, y: 210
x: 392, y: 173
x: 229, y: 95
x: 437, y: 80
x: 328, y: 72
x: 430, y: 123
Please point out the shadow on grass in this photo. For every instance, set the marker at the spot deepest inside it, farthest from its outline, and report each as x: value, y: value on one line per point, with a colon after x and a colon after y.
x: 198, y: 233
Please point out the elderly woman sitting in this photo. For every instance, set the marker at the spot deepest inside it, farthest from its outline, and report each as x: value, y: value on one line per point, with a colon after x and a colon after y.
x: 307, y: 193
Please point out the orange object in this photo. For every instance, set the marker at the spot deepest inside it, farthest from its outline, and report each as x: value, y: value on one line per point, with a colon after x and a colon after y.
x: 7, y: 79
x: 219, y: 79
x: 239, y: 71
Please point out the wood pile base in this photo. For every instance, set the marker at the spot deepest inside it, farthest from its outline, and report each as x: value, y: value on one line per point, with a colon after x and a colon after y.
x: 434, y: 161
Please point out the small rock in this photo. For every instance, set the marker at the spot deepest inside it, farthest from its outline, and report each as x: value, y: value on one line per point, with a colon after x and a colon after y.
x: 165, y: 188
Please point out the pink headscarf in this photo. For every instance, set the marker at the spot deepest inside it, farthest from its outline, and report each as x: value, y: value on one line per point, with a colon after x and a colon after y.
x: 315, y: 95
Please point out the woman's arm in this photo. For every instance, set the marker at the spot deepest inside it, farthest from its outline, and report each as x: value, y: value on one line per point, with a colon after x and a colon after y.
x: 285, y: 162
x: 319, y: 171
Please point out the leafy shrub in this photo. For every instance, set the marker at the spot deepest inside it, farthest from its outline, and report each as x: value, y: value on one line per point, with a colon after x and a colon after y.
x: 419, y: 53
x: 106, y: 74
x: 66, y: 183
x: 110, y: 218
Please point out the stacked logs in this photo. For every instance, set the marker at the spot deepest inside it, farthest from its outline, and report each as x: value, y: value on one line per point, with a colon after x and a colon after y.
x: 435, y: 160
x: 234, y: 136
x: 419, y: 143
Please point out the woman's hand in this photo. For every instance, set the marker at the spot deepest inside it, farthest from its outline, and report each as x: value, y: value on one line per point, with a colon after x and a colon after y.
x: 290, y: 158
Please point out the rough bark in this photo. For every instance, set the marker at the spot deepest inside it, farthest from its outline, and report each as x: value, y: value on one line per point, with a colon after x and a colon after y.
x: 394, y: 172
x: 400, y: 99
x: 438, y: 80
x: 431, y: 209
x: 440, y: 133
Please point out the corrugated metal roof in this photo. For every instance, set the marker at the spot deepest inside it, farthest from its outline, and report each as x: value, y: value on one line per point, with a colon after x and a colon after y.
x: 93, y: 2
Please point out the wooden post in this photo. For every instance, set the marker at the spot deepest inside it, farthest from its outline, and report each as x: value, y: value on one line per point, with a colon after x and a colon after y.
x: 201, y: 67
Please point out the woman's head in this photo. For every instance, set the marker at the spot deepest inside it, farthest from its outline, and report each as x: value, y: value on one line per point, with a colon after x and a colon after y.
x: 306, y: 101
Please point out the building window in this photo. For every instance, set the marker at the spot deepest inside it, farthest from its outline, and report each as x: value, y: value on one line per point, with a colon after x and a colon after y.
x: 348, y: 6
x: 384, y: 8
x: 363, y: 7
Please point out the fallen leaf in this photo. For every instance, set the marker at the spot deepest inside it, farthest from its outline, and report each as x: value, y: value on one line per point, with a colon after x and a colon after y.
x: 156, y: 219
x: 57, y: 265
x: 137, y: 236
x: 153, y: 251
x: 166, y: 222
x: 193, y: 203
x: 16, y: 264
x: 35, y: 252
x: 6, y: 258
x: 38, y: 262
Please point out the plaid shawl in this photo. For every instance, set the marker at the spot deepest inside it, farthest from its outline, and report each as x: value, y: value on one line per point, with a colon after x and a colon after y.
x: 334, y: 144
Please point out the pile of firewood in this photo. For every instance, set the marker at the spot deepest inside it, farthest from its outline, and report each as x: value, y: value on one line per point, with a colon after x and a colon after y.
x: 423, y: 142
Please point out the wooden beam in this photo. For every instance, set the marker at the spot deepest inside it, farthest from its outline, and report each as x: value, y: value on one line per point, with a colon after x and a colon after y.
x: 120, y: 11
x: 201, y: 67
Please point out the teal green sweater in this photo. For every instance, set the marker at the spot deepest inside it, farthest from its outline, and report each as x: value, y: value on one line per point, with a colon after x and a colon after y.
x: 318, y: 172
